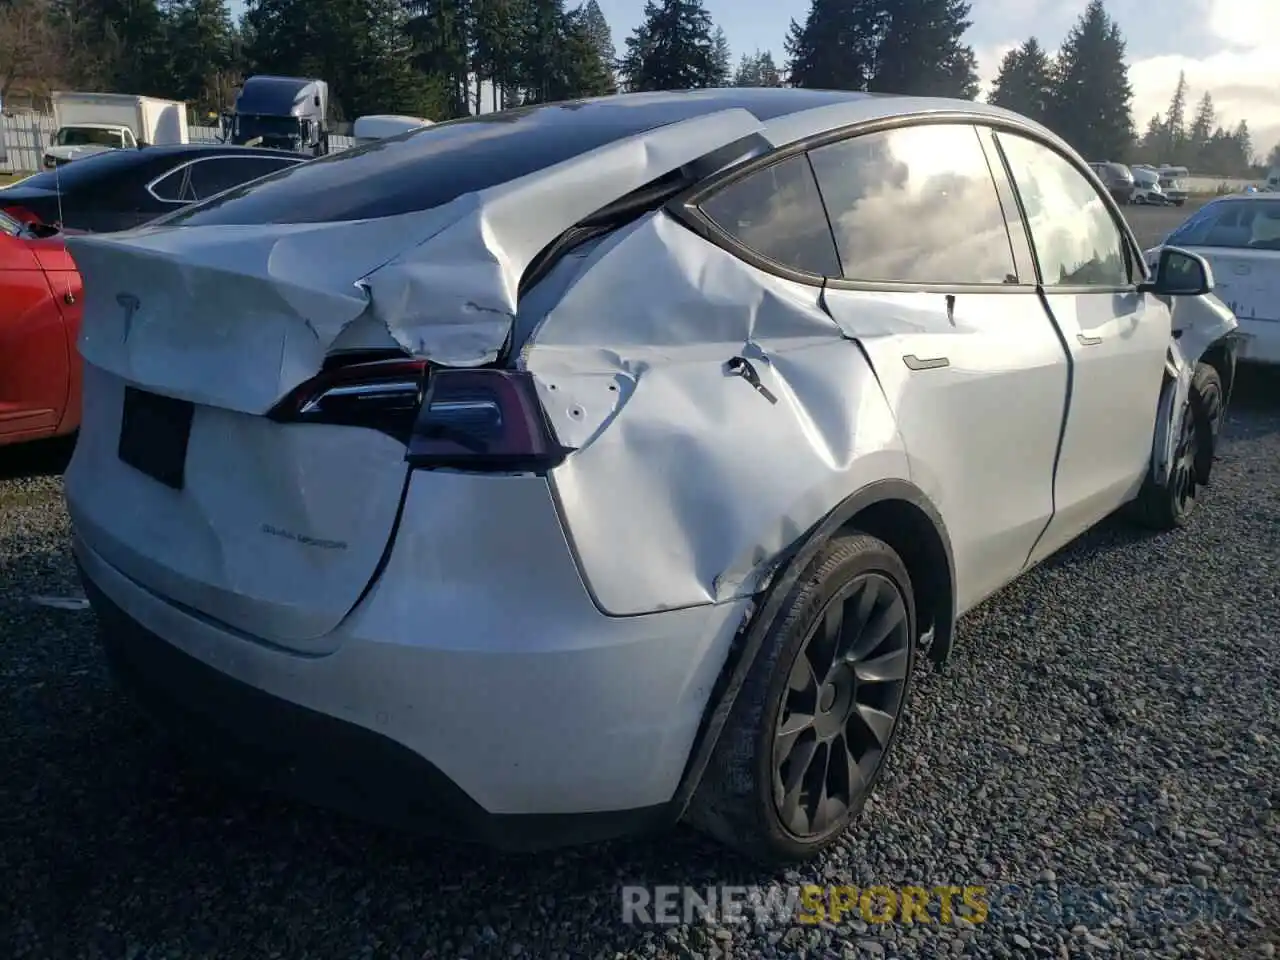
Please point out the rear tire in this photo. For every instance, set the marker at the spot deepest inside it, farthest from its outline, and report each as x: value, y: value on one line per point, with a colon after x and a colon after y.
x: 1168, y: 505
x: 809, y: 733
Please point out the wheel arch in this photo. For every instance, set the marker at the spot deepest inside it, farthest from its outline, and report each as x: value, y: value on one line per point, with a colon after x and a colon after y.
x: 895, y: 511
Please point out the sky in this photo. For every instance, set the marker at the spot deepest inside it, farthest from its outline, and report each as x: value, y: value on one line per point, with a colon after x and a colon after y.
x: 1230, y: 48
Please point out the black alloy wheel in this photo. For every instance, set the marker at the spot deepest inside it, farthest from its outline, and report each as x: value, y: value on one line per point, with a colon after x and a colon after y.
x: 845, y: 692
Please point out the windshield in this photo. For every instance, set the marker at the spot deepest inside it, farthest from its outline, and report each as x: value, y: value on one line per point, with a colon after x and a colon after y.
x: 86, y: 136
x: 249, y: 126
x: 1242, y: 224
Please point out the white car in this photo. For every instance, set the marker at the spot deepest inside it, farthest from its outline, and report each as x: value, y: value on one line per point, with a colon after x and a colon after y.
x: 1240, y: 237
x: 551, y: 475
x: 1146, y: 187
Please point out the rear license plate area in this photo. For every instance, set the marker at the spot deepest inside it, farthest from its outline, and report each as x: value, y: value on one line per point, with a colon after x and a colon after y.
x: 154, y: 433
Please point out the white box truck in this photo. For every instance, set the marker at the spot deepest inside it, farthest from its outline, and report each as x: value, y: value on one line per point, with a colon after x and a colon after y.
x: 90, y: 123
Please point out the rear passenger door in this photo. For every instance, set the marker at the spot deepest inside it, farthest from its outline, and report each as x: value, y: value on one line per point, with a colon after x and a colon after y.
x: 1118, y: 337
x: 942, y: 296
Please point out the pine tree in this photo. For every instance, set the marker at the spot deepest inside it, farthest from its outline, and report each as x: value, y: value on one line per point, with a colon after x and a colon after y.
x: 440, y: 31
x: 598, y: 30
x: 837, y: 45
x: 202, y: 43
x: 496, y: 38
x: 674, y: 48
x: 1025, y: 81
x: 115, y: 45
x: 1201, y: 130
x: 923, y: 51
x: 757, y: 70
x: 582, y: 71
x: 721, y: 59
x: 541, y: 53
x: 1175, y: 119
x: 1091, y: 106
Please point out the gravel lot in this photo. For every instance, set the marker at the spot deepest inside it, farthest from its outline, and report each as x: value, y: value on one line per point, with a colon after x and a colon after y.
x: 1108, y: 729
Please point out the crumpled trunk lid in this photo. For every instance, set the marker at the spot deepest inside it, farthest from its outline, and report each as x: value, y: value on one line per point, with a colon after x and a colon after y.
x: 277, y: 529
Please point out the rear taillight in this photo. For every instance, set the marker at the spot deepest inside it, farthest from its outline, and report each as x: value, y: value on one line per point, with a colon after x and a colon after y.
x: 383, y: 395
x: 483, y: 420
x: 458, y: 419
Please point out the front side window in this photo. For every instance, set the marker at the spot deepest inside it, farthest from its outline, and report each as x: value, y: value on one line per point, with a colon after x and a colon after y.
x: 1077, y: 241
x: 777, y: 213
x: 915, y: 205
x: 1251, y: 224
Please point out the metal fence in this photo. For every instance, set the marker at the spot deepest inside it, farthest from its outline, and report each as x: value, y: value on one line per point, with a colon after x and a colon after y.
x: 23, y: 138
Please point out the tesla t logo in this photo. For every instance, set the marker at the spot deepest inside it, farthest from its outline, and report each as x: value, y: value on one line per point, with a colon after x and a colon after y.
x: 130, y: 304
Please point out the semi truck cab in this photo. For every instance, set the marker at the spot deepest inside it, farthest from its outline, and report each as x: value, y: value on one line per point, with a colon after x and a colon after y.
x: 283, y: 113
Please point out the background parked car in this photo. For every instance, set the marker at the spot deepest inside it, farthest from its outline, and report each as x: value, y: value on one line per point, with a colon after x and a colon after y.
x: 1117, y: 178
x: 1146, y: 187
x: 40, y: 290
x: 39, y: 322
x: 1173, y: 183
x: 122, y: 189
x: 1240, y: 238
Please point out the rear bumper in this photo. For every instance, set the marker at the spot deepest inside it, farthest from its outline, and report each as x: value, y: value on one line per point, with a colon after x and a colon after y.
x: 282, y: 746
x: 519, y: 749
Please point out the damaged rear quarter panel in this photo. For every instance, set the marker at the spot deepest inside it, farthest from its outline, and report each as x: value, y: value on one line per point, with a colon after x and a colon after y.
x: 688, y: 482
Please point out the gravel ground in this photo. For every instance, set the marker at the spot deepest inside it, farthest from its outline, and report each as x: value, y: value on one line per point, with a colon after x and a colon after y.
x: 1107, y: 740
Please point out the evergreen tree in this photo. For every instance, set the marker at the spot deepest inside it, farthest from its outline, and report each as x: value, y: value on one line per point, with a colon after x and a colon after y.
x: 115, y: 45
x: 674, y: 48
x: 837, y: 45
x: 542, y: 55
x: 1025, y: 81
x: 598, y: 30
x: 1202, y: 127
x: 497, y: 39
x: 721, y: 60
x: 202, y: 46
x: 1175, y: 120
x: 923, y: 52
x: 440, y: 31
x: 582, y: 71
x: 757, y: 70
x: 1273, y: 158
x: 1091, y: 106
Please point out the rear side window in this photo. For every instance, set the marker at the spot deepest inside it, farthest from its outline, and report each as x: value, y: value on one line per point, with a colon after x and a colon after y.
x: 211, y: 177
x: 915, y: 205
x: 777, y: 212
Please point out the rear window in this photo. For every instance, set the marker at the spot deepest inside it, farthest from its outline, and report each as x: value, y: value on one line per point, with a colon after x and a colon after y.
x: 90, y: 169
x: 422, y: 169
x: 1252, y: 224
x: 429, y: 167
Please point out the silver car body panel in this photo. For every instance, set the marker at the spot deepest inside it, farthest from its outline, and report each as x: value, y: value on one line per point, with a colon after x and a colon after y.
x: 604, y: 597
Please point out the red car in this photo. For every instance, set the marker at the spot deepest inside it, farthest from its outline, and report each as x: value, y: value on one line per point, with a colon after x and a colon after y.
x: 39, y: 323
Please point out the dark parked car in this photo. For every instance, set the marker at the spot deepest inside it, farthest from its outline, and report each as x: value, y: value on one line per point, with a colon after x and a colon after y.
x: 121, y: 189
x: 1117, y: 178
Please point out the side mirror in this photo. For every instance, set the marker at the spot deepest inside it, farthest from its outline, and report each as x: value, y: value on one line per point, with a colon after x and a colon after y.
x: 1179, y: 273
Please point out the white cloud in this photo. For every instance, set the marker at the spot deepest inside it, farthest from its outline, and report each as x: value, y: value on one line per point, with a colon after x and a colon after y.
x: 1242, y: 71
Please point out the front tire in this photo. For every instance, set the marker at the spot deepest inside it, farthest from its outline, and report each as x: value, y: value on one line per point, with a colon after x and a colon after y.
x: 809, y: 733
x: 1168, y: 505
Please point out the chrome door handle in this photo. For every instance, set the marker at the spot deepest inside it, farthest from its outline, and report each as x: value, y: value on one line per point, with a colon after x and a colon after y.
x: 1088, y: 341
x: 932, y: 363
